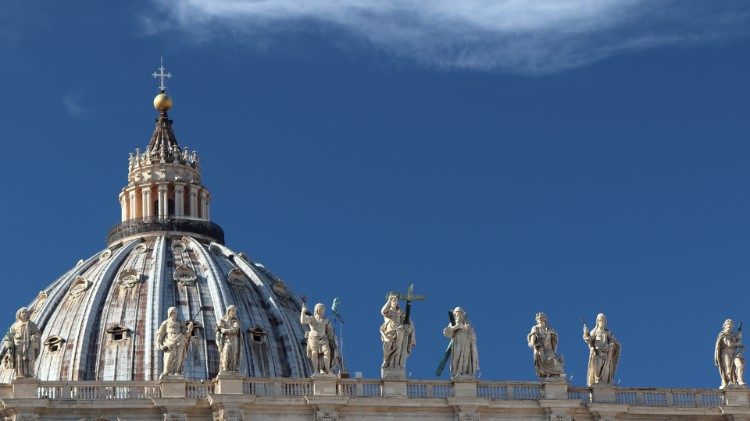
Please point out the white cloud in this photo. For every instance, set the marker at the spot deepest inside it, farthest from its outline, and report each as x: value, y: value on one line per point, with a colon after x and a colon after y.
x: 526, y: 36
x: 72, y: 103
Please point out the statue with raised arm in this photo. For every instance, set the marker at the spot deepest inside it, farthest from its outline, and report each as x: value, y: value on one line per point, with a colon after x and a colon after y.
x: 173, y: 337
x: 728, y: 355
x: 543, y: 341
x: 398, y: 337
x: 228, y: 337
x: 464, y: 355
x: 22, y: 344
x: 321, y: 340
x: 604, y: 352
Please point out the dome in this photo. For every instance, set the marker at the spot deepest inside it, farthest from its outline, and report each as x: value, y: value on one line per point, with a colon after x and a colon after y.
x: 99, y: 320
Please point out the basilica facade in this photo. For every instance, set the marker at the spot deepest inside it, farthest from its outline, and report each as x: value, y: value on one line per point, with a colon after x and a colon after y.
x: 168, y: 323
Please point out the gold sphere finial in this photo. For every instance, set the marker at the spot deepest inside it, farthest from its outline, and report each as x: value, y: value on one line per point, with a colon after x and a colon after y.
x: 162, y: 102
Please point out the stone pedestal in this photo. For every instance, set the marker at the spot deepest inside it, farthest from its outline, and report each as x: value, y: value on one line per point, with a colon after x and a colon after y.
x: 324, y: 384
x: 603, y: 393
x: 173, y: 386
x: 392, y: 373
x: 736, y: 396
x: 26, y: 388
x: 394, y: 388
x: 555, y: 388
x: 464, y: 387
x: 229, y: 383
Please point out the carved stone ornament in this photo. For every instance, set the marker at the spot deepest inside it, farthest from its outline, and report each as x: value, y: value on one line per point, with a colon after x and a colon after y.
x: 326, y: 415
x: 106, y: 254
x: 214, y: 248
x: 178, y: 247
x: 237, y: 278
x: 129, y: 278
x: 185, y: 275
x: 40, y: 299
x: 141, y: 248
x: 79, y: 286
x: 280, y: 288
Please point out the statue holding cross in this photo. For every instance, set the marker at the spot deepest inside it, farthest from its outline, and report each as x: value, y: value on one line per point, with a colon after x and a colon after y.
x: 397, y: 332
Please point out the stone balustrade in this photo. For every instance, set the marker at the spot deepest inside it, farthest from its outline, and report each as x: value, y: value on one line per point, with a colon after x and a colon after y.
x: 534, y: 399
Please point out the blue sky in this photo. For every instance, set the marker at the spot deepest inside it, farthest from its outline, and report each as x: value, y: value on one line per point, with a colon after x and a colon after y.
x: 566, y: 156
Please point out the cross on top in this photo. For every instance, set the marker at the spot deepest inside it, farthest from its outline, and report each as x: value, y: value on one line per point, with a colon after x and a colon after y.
x: 161, y: 75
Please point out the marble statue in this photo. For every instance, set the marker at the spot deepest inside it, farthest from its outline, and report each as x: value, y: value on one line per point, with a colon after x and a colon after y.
x: 228, y: 337
x: 728, y: 355
x: 543, y: 341
x: 173, y: 337
x: 22, y: 344
x: 398, y: 337
x: 604, y: 352
x: 321, y: 340
x: 464, y: 356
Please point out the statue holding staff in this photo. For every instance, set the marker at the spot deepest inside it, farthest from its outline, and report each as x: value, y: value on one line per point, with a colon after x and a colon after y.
x: 173, y: 337
x: 22, y: 344
x: 398, y: 337
x: 228, y: 337
x: 604, y: 352
x: 465, y: 358
x: 728, y: 355
x: 543, y: 341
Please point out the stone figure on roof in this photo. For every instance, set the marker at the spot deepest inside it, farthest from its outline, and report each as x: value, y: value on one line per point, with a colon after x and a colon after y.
x: 728, y: 355
x: 321, y: 339
x: 464, y: 355
x: 604, y: 352
x: 543, y: 341
x: 398, y: 337
x: 228, y: 337
x: 173, y: 337
x: 21, y: 345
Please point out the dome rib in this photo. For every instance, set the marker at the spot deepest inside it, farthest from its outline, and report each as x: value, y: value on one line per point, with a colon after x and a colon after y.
x: 154, y: 313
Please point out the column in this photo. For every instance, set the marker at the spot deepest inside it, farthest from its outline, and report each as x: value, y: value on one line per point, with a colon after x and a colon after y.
x: 132, y: 203
x: 123, y: 207
x: 204, y: 204
x: 162, y: 190
x: 179, y: 199
x: 193, y: 201
x: 146, y: 202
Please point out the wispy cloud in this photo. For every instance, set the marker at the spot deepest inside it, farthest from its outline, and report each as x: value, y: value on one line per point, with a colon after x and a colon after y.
x: 526, y: 36
x: 72, y: 103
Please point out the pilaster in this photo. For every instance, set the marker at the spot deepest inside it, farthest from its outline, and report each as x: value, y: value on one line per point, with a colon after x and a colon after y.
x: 193, y: 201
x: 162, y: 189
x: 146, y: 201
x: 179, y: 199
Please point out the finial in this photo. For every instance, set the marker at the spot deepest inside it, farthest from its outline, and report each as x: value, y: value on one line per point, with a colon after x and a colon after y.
x: 161, y: 75
x: 162, y: 101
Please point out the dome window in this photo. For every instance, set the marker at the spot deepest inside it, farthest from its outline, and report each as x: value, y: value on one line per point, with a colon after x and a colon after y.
x: 79, y: 286
x: 178, y: 247
x: 185, y: 275
x: 280, y: 288
x: 118, y: 333
x: 257, y: 334
x: 54, y: 343
x: 237, y: 278
x: 129, y: 278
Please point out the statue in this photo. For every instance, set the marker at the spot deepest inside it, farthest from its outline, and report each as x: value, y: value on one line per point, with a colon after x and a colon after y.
x: 321, y: 340
x: 173, y: 337
x: 543, y: 341
x: 604, y: 352
x: 398, y: 337
x: 228, y: 337
x: 465, y: 359
x: 22, y: 344
x: 728, y: 355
